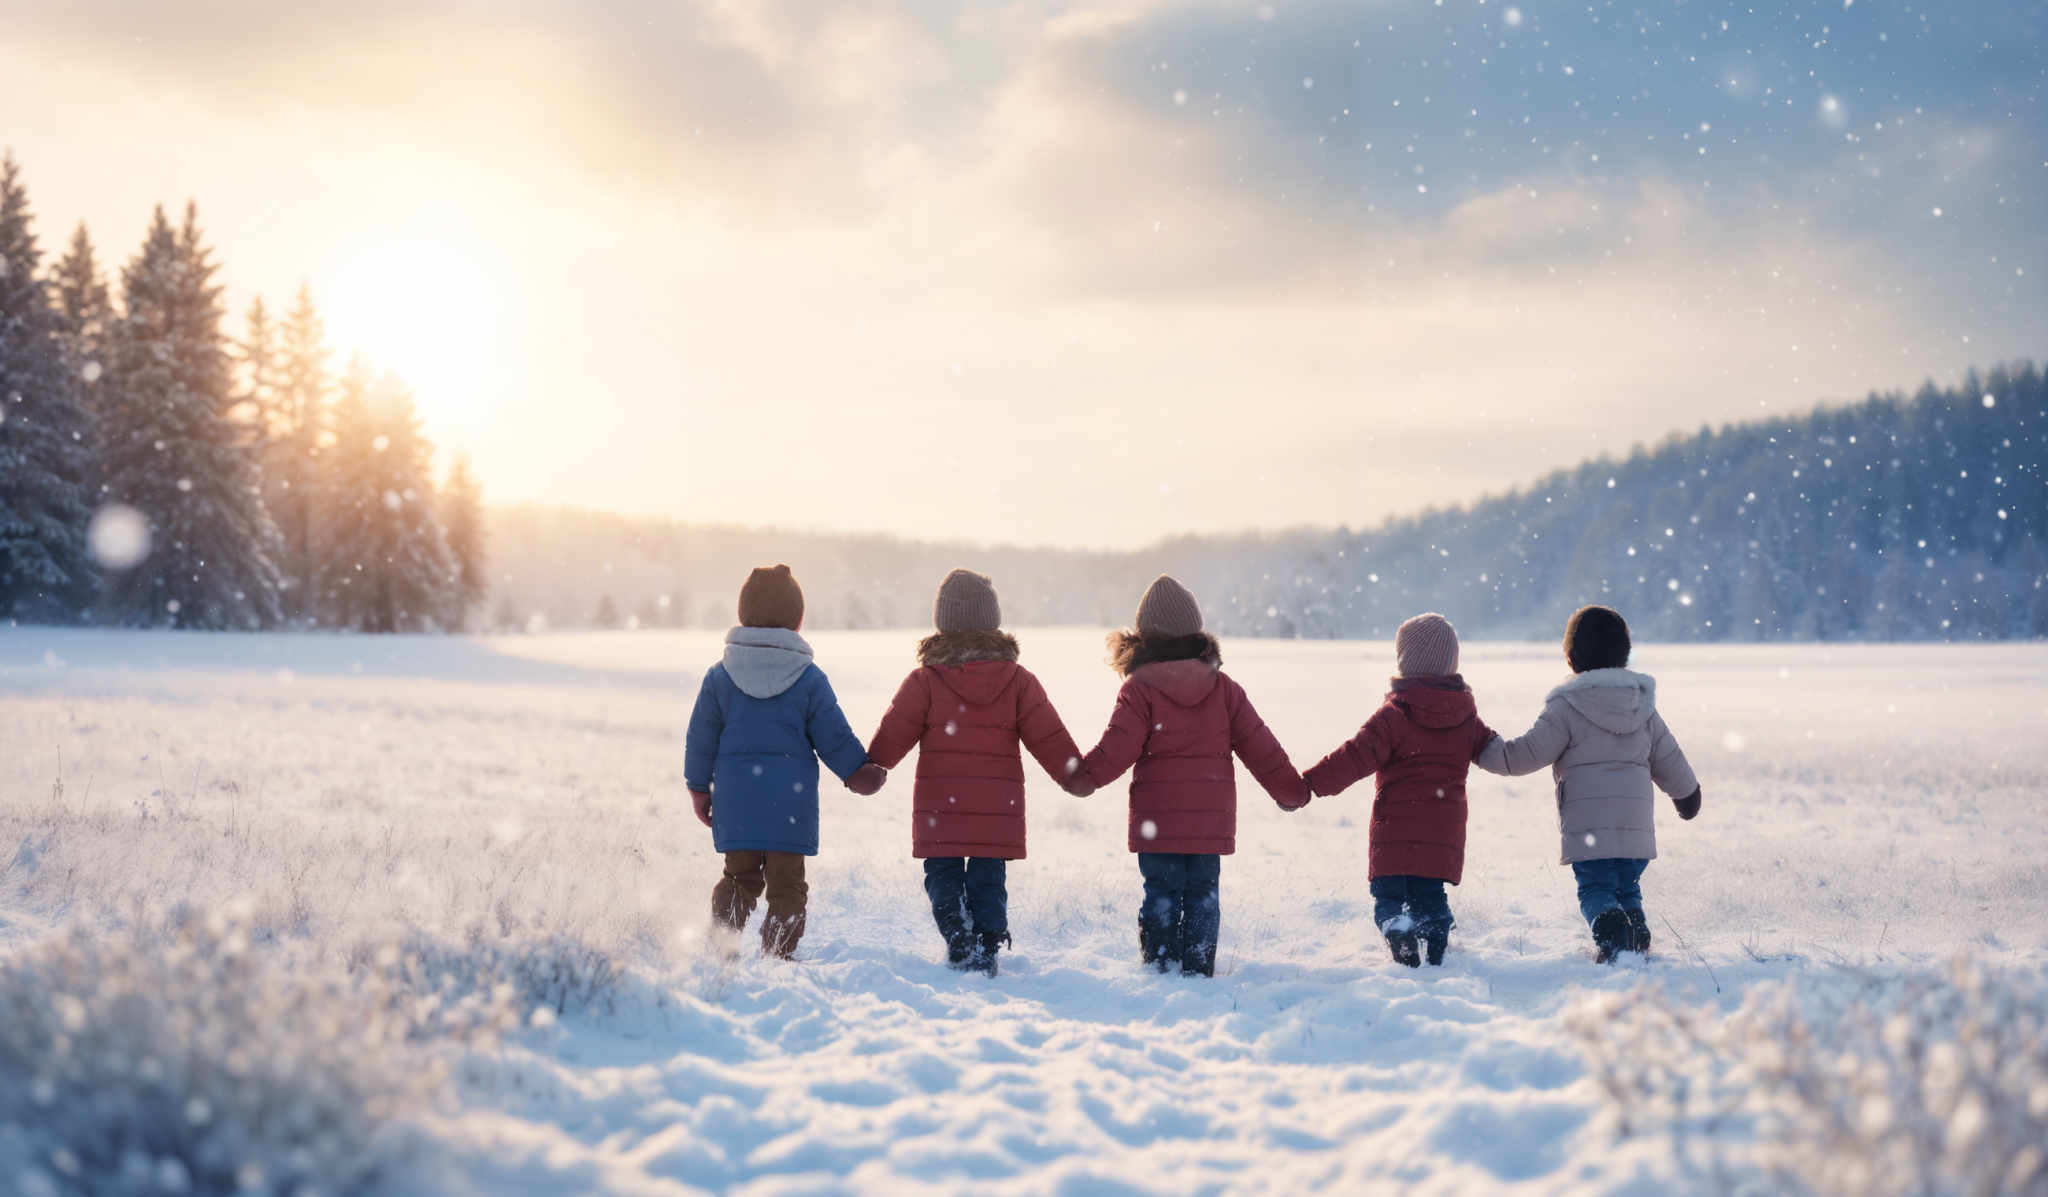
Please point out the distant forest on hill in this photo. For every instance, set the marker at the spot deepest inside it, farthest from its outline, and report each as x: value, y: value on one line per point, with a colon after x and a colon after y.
x: 1921, y: 517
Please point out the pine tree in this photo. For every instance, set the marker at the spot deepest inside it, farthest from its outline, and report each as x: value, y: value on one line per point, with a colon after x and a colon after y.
x: 44, y: 568
x: 463, y: 519
x: 85, y: 313
x: 607, y: 612
x: 385, y: 564
x: 257, y: 367
x: 301, y: 415
x: 171, y: 451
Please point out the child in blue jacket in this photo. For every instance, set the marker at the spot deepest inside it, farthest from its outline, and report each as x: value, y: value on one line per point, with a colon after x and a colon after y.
x: 764, y: 717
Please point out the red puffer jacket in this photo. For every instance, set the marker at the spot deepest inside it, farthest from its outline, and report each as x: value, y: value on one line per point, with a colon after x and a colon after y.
x: 1419, y: 745
x: 1178, y: 722
x: 966, y: 721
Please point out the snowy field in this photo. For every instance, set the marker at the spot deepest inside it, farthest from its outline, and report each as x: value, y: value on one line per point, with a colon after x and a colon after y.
x: 427, y: 915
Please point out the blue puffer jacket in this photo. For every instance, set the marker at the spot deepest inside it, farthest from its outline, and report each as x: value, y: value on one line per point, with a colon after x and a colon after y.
x: 764, y: 717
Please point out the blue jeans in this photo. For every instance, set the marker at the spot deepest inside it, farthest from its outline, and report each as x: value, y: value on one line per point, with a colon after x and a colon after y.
x: 1609, y: 884
x: 968, y: 894
x: 1183, y: 910
x: 1427, y: 909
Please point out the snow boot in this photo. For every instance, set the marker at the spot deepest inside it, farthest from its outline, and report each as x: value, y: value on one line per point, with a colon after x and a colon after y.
x: 1199, y: 961
x: 988, y: 944
x: 1156, y: 946
x: 1639, y: 931
x: 1434, y: 941
x: 1403, y: 945
x: 1611, y: 935
x: 960, y: 950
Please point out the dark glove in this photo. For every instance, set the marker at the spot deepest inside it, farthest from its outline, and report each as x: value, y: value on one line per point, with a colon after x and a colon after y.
x: 701, y: 801
x: 1689, y: 805
x: 1300, y: 801
x: 867, y: 779
x: 1078, y: 786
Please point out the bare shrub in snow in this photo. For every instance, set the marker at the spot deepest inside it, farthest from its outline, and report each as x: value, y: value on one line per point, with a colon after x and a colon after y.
x: 1917, y: 1084
x: 190, y: 1064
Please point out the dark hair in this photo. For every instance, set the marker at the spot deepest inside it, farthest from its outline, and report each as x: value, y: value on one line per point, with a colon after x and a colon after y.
x: 1596, y: 638
x: 1128, y: 650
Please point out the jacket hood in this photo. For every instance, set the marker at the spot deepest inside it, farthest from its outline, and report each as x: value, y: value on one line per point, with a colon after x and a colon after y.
x: 763, y: 662
x: 1615, y: 700
x: 958, y: 648
x: 978, y: 682
x: 1186, y: 682
x: 1434, y: 702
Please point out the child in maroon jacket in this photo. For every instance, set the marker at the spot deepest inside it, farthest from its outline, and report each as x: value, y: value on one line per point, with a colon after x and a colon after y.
x: 965, y: 710
x: 1178, y: 718
x: 1419, y: 744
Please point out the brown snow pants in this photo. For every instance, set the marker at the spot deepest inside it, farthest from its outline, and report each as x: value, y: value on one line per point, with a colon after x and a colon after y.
x: 747, y: 874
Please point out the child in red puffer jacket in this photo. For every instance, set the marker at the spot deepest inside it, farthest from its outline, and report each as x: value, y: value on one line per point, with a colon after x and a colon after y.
x: 965, y: 710
x: 1178, y: 719
x: 1420, y: 745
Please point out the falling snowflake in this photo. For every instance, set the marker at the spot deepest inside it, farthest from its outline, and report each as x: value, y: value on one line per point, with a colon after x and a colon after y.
x: 1148, y: 830
x: 90, y: 371
x: 118, y: 537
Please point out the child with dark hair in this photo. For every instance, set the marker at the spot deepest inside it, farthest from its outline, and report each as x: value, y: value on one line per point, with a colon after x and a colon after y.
x: 1607, y: 746
x: 1178, y: 719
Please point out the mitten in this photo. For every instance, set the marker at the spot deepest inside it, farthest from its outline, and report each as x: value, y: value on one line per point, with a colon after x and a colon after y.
x: 702, y: 804
x: 1689, y: 805
x: 1078, y: 786
x: 867, y: 779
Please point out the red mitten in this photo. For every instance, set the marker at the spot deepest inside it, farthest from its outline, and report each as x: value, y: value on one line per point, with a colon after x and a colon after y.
x: 867, y: 779
x: 701, y: 802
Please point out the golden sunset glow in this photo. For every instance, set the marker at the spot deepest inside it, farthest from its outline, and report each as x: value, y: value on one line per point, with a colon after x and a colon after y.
x: 429, y: 313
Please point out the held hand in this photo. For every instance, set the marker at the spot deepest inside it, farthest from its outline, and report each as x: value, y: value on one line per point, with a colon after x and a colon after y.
x: 1076, y: 781
x: 1689, y: 805
x: 867, y: 779
x: 1297, y: 805
x: 701, y: 803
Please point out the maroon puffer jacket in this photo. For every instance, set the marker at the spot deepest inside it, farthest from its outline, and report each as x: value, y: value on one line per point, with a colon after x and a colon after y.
x: 1419, y: 744
x: 1178, y: 722
x: 965, y: 721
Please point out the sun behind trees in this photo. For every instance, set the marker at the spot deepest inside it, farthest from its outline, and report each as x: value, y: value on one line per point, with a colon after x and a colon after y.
x: 155, y: 474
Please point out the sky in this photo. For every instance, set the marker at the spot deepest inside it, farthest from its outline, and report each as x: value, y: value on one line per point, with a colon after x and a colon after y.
x: 1089, y: 273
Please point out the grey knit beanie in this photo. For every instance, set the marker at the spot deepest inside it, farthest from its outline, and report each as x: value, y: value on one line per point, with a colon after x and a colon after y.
x: 967, y: 603
x: 1427, y: 646
x: 1168, y: 610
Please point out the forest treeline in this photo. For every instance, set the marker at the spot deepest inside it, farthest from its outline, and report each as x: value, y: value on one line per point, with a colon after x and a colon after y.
x: 156, y: 472
x: 1902, y: 517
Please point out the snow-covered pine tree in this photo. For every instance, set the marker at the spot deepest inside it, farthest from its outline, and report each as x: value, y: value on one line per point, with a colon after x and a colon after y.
x: 462, y: 517
x: 384, y: 561
x: 291, y: 463
x: 44, y: 569
x: 170, y: 450
x: 256, y: 368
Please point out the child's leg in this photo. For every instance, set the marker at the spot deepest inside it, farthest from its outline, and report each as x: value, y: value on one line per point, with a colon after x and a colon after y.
x: 1203, y: 914
x: 1599, y: 886
x: 1430, y: 905
x: 733, y: 898
x: 788, y: 895
x: 1159, y: 917
x: 988, y: 898
x: 1389, y: 902
x: 1628, y: 884
x: 945, y: 883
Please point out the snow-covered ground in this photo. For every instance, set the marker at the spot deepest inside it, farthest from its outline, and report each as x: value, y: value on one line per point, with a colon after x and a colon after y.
x: 412, y: 817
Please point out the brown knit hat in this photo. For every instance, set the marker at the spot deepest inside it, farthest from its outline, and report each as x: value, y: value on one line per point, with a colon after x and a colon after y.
x: 772, y: 599
x: 1427, y: 646
x: 1167, y: 610
x: 967, y: 603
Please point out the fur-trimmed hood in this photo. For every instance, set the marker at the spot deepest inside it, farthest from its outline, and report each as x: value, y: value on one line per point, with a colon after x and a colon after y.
x: 1129, y: 651
x: 1615, y: 700
x: 962, y: 648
